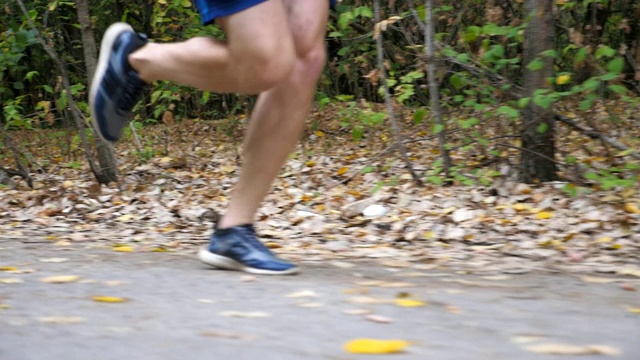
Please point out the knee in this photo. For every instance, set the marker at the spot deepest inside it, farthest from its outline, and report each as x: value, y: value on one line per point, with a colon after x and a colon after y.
x: 271, y: 63
x: 311, y: 64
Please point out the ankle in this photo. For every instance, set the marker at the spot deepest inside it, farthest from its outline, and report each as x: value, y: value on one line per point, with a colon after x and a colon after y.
x: 139, y: 63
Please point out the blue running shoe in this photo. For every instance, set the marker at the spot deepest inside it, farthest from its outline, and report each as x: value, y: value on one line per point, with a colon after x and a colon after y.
x: 237, y: 248
x: 116, y: 87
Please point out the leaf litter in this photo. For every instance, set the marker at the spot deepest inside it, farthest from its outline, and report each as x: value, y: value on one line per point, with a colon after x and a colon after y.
x: 172, y: 202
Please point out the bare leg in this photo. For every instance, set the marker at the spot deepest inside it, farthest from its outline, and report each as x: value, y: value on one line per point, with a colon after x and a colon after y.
x: 258, y: 55
x: 279, y: 114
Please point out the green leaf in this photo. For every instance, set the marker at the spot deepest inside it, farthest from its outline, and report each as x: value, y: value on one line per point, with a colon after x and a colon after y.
x: 542, y: 128
x: 30, y: 75
x: 458, y: 81
x: 509, y: 111
x: 522, y: 103
x: 616, y: 65
x: 618, y: 89
x: 419, y: 115
x: 536, y: 65
x: 604, y: 51
x: 438, y: 128
x: 580, y: 56
x: 368, y: 169
x: 472, y: 34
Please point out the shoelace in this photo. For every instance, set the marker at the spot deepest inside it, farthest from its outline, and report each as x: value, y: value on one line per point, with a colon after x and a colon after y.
x: 249, y: 235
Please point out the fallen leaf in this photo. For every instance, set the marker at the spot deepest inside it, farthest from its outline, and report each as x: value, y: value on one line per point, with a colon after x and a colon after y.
x: 61, y: 279
x: 598, y: 280
x: 127, y: 217
x: 62, y: 319
x: 374, y: 346
x: 4, y: 306
x: 53, y: 260
x: 568, y: 349
x: 543, y: 215
x: 634, y: 310
x: 309, y: 305
x: 630, y: 270
x: 378, y: 319
x: 452, y: 309
x: 356, y: 312
x: 628, y: 287
x: 123, y: 248
x: 367, y: 300
x: 109, y: 299
x: 224, y: 335
x: 254, y: 314
x: 8, y: 268
x: 341, y: 264
x: 206, y: 301
x: 302, y: 294
x: 11, y: 281
x: 409, y: 302
x: 631, y: 208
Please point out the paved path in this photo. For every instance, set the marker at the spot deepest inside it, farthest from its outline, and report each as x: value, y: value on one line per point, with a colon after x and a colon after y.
x: 179, y: 309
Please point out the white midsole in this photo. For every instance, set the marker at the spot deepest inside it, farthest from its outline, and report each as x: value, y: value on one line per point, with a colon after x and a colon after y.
x: 223, y: 262
x: 103, y: 61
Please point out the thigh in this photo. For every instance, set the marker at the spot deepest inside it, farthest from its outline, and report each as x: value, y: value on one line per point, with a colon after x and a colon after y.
x: 261, y: 26
x: 307, y: 21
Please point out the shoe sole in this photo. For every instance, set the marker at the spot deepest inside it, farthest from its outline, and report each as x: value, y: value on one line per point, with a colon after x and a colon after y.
x: 223, y: 262
x: 109, y: 38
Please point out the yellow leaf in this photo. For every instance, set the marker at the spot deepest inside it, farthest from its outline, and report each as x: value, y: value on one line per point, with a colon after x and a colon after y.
x: 373, y: 346
x: 544, y: 215
x: 343, y: 170
x: 272, y: 245
x: 563, y: 79
x: 631, y: 208
x: 409, y: 303
x: 521, y: 207
x: 310, y: 163
x: 159, y: 249
x: 605, y: 239
x: 126, y: 217
x: 10, y: 281
x: 123, y: 248
x: 8, y: 268
x: 62, y: 279
x: 108, y: 299
x: 319, y: 133
x: 634, y: 310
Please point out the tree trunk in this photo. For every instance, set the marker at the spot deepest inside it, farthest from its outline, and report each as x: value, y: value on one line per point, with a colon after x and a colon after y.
x: 537, y: 156
x: 434, y: 92
x: 106, y: 158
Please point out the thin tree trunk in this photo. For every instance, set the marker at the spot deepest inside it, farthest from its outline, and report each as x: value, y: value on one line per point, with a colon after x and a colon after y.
x: 75, y: 110
x: 436, y: 111
x: 106, y: 157
x: 538, y: 131
x: 387, y: 96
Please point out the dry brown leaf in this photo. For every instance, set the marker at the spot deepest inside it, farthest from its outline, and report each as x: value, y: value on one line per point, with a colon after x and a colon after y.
x: 62, y: 319
x: 378, y: 319
x: 568, y: 349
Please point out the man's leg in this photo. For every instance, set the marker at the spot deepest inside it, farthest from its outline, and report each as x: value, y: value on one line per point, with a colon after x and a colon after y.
x: 259, y: 53
x: 275, y: 126
x: 279, y: 115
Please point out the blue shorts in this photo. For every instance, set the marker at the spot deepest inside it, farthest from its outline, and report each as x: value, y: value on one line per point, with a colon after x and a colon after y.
x: 212, y: 9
